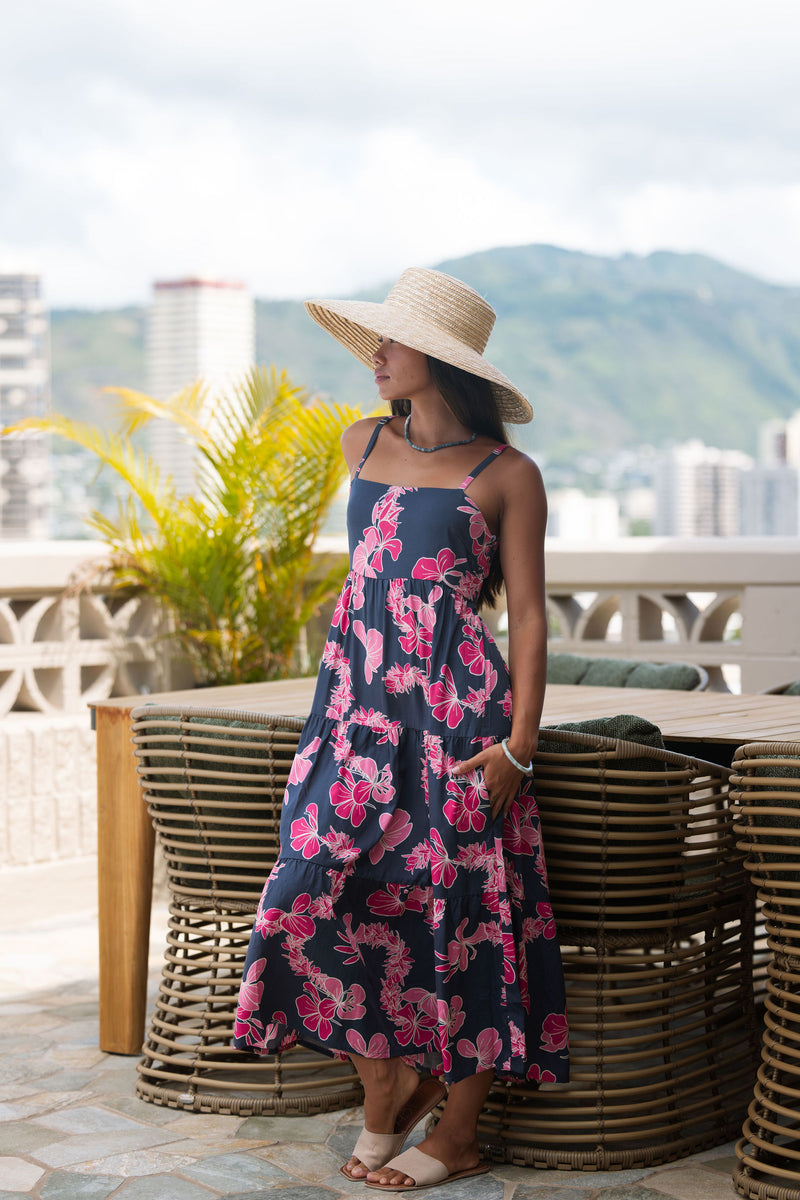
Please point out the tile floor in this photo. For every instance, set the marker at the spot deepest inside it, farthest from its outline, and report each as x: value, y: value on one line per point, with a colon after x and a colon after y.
x: 71, y: 1127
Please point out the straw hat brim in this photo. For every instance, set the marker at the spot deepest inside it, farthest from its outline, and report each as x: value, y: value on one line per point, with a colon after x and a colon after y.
x: 358, y: 324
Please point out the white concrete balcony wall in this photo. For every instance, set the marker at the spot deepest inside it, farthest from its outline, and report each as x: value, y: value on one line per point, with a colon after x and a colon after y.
x: 716, y: 602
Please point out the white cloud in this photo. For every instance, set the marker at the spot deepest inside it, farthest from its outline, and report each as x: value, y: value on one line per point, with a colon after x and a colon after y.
x: 308, y: 148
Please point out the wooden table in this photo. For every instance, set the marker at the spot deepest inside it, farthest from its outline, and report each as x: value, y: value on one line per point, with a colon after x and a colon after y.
x: 706, y: 721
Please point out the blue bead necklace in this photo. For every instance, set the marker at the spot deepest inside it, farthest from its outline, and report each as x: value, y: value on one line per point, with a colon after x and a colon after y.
x: 441, y: 445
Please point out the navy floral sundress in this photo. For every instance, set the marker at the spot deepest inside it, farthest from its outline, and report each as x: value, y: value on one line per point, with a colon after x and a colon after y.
x: 400, y: 919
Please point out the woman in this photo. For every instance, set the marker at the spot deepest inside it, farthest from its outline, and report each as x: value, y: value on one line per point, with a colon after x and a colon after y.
x: 407, y: 923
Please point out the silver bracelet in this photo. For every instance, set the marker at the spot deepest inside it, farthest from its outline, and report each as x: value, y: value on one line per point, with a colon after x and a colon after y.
x: 525, y: 770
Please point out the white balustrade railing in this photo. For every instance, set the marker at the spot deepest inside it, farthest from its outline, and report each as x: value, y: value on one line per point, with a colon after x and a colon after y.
x: 716, y: 602
x: 719, y: 603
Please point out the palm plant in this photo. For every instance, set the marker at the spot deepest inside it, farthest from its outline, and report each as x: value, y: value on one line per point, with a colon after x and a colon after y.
x: 232, y: 564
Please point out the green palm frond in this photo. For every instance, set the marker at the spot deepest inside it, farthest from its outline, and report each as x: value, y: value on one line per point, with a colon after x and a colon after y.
x: 232, y: 564
x: 184, y: 409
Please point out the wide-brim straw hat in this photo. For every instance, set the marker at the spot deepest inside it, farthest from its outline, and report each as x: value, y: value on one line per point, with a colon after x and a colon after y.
x: 431, y: 312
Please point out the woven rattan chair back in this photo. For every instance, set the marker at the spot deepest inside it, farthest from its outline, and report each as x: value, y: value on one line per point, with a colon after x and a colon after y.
x: 214, y: 786
x: 654, y: 913
x: 765, y: 790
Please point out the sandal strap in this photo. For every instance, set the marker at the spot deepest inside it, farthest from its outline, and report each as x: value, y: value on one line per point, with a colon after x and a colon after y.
x: 373, y: 1149
x: 419, y: 1166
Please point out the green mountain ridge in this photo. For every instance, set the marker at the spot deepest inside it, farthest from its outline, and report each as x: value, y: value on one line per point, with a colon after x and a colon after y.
x: 613, y: 352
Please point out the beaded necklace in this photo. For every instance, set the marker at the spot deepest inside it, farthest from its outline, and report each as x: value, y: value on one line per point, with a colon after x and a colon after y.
x: 440, y: 446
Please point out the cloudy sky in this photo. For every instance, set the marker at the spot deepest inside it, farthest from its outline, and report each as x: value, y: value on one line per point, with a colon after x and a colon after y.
x: 311, y: 148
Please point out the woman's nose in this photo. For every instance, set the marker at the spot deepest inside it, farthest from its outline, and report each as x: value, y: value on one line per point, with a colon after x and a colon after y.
x: 378, y: 355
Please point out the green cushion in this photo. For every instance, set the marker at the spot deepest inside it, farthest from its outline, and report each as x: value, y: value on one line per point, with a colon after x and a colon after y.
x: 608, y: 672
x: 626, y: 727
x: 681, y: 677
x: 793, y: 689
x: 566, y: 668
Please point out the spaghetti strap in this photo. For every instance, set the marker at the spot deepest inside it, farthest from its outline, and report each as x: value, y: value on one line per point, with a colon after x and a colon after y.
x: 482, y: 465
x: 370, y: 444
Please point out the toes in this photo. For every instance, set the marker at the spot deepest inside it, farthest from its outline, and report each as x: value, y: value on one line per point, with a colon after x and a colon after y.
x: 392, y: 1180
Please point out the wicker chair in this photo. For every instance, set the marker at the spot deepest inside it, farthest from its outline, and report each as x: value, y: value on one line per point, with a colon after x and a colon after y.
x: 214, y: 786
x: 655, y: 918
x: 624, y: 672
x: 765, y: 791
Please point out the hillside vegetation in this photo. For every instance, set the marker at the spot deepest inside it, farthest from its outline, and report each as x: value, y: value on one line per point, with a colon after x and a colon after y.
x: 613, y: 352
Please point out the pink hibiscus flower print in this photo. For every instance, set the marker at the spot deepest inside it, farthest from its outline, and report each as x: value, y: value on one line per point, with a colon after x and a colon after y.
x: 444, y: 700
x: 378, y: 1045
x: 248, y: 1027
x: 304, y: 834
x: 451, y: 1016
x: 302, y: 761
x: 341, y: 613
x: 443, y: 872
x: 471, y: 651
x: 437, y: 568
x: 351, y: 797
x: 478, y: 529
x: 509, y: 958
x: 463, y: 806
x: 460, y: 951
x: 251, y: 989
x: 387, y: 903
x: 295, y: 921
x: 396, y: 828
x: 536, y: 1074
x: 317, y: 1012
x: 372, y: 641
x: 417, y: 638
x: 487, y: 1048
x: 521, y: 833
x: 554, y: 1032
x: 543, y: 922
x: 417, y: 1025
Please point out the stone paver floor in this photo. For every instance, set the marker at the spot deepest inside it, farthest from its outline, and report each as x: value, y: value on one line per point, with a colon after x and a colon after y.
x: 72, y: 1128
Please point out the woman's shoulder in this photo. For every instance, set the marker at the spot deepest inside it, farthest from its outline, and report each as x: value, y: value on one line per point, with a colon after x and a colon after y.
x: 519, y: 468
x: 355, y: 439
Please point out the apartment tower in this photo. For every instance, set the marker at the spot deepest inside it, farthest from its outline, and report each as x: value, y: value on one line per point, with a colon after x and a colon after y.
x: 24, y: 392
x: 199, y: 329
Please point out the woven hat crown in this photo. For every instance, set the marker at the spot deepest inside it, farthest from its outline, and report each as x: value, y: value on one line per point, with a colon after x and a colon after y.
x: 430, y: 312
x: 447, y: 303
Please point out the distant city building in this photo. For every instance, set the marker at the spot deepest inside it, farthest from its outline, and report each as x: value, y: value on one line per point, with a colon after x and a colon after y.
x: 199, y: 329
x: 697, y: 491
x: 574, y: 516
x: 773, y: 498
x: 24, y: 392
x: 768, y: 502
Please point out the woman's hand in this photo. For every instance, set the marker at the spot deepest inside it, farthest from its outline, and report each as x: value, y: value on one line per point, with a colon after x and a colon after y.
x: 501, y: 777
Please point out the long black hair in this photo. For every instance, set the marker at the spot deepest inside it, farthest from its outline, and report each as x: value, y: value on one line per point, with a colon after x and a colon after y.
x: 473, y: 402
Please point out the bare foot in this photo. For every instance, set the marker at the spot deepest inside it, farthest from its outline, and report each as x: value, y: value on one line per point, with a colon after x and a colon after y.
x: 389, y: 1084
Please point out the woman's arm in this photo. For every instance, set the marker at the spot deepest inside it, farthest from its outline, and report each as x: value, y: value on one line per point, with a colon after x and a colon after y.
x: 523, y: 519
x: 522, y: 558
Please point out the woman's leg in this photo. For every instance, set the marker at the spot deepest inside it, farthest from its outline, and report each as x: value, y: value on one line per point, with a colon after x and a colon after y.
x: 454, y: 1141
x: 389, y: 1084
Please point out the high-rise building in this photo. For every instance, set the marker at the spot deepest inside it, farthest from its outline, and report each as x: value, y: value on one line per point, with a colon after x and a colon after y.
x: 773, y: 496
x: 24, y: 392
x: 697, y: 491
x: 768, y: 498
x: 200, y: 329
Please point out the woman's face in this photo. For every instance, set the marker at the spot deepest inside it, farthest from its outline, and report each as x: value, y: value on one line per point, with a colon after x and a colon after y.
x: 400, y: 372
